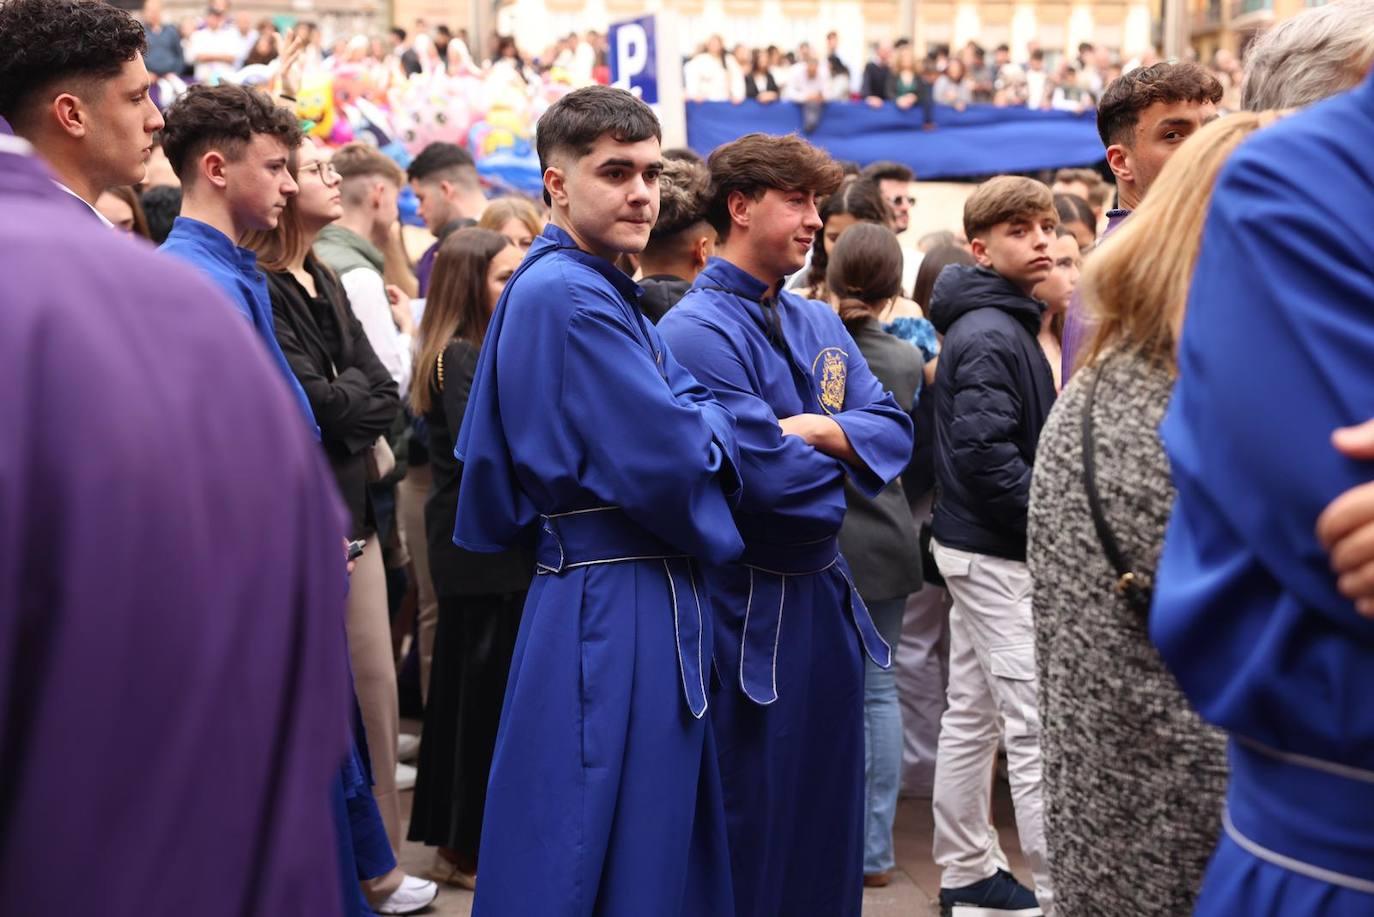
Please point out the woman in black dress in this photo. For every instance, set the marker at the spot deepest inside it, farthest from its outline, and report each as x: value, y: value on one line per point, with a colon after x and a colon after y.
x: 480, y: 595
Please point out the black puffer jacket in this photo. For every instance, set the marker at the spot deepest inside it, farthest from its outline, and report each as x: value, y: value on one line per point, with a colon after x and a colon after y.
x: 993, y: 392
x: 661, y: 293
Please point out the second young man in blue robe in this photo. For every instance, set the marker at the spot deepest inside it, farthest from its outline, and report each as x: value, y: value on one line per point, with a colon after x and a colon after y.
x: 585, y: 438
x: 790, y: 626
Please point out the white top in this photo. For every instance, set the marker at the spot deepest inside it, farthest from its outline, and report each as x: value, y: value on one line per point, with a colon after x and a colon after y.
x: 583, y: 63
x: 708, y: 80
x: 224, y: 40
x: 1036, y: 81
x: 800, y: 86
x: 367, y: 294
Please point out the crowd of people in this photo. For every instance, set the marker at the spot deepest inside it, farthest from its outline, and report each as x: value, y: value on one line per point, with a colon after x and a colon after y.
x: 220, y: 45
x: 897, y: 72
x: 712, y: 516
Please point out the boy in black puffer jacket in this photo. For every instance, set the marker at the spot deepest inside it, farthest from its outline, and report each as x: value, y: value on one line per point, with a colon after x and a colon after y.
x: 993, y: 392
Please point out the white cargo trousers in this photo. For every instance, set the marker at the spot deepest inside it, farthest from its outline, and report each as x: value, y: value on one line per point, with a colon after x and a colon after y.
x: 992, y: 694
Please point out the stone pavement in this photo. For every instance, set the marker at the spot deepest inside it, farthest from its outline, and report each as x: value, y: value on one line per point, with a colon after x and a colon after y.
x: 913, y: 891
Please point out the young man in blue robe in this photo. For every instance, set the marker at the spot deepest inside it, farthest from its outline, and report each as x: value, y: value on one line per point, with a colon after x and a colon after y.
x: 229, y: 145
x: 790, y: 626
x: 584, y: 437
x: 1263, y: 637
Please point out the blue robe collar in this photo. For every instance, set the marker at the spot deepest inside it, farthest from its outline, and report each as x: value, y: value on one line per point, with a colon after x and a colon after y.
x: 752, y: 294
x: 728, y: 276
x: 216, y: 243
x: 557, y: 237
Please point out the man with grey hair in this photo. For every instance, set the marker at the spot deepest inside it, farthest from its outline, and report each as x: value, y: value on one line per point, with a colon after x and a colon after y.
x: 1318, y: 53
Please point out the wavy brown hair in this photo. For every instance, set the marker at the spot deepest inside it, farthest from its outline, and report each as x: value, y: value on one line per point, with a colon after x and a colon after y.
x: 756, y: 162
x: 456, y: 305
x: 1135, y: 286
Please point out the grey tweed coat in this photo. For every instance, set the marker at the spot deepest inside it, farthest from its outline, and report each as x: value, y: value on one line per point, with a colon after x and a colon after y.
x: 1133, y: 779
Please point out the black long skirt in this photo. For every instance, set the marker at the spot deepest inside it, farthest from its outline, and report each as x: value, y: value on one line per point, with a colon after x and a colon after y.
x: 473, y: 645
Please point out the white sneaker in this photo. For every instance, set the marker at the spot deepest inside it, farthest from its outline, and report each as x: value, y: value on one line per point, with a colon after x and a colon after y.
x: 413, y: 896
x: 407, y: 747
x: 405, y: 777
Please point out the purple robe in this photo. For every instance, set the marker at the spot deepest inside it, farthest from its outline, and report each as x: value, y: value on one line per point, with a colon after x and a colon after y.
x: 1076, y: 325
x: 173, y: 680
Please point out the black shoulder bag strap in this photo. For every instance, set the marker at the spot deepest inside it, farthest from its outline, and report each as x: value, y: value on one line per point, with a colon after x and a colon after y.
x: 1129, y: 585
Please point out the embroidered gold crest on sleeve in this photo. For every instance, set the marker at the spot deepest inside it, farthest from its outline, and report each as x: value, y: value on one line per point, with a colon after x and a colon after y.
x: 829, y: 369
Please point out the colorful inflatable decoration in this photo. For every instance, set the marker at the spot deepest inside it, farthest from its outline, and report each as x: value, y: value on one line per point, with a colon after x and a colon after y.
x: 315, y: 103
x: 431, y: 108
x: 492, y: 113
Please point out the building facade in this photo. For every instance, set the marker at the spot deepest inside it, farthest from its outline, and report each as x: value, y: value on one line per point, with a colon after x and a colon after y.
x: 1230, y: 25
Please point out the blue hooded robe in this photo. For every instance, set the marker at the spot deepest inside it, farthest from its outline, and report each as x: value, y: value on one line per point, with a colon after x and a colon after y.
x: 788, y: 710
x: 583, y: 435
x: 1277, y: 351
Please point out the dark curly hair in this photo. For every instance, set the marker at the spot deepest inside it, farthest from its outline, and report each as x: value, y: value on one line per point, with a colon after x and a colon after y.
x: 45, y: 43
x: 1129, y: 94
x: 225, y: 118
x: 684, y: 193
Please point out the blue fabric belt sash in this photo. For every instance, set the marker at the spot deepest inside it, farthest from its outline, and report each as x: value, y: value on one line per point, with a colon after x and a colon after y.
x: 605, y: 535
x: 1309, y: 816
x: 769, y: 567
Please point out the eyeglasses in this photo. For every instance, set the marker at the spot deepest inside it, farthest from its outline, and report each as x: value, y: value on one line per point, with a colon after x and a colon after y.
x: 323, y: 169
x: 902, y: 199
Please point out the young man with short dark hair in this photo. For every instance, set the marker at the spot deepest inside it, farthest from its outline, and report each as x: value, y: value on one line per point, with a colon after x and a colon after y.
x: 1146, y: 114
x: 895, y: 180
x: 585, y: 438
x: 682, y: 240
x: 993, y: 393
x: 444, y: 179
x: 229, y: 146
x: 791, y: 629
x: 1143, y: 118
x: 73, y: 84
x: 352, y: 247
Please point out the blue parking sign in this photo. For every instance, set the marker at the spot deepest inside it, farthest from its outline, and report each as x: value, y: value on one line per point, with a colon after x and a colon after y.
x: 634, y: 57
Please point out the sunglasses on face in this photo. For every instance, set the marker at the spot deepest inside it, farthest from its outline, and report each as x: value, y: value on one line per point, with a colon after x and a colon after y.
x: 901, y: 199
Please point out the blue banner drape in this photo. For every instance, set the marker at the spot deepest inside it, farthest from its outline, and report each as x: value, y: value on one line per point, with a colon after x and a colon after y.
x: 982, y: 140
